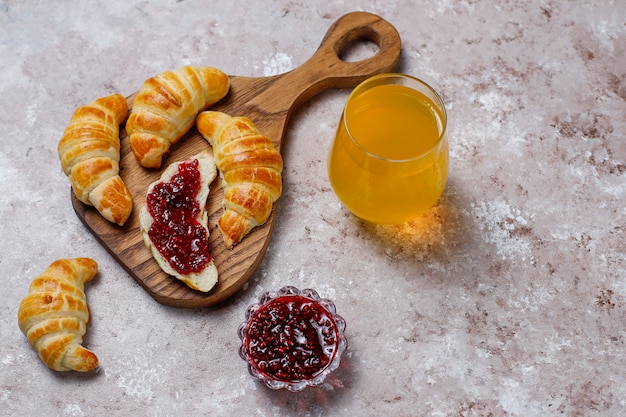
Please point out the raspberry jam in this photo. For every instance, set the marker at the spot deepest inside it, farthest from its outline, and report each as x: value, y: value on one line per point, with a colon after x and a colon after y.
x: 175, y: 231
x: 292, y: 339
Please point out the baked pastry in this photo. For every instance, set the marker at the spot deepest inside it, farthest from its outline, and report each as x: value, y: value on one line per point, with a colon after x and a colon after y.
x: 90, y: 154
x: 54, y: 315
x: 251, y: 170
x: 166, y: 107
x: 174, y: 221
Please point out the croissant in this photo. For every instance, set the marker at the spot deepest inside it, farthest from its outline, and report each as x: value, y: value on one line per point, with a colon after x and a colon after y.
x: 54, y: 315
x: 90, y: 153
x: 166, y: 107
x: 174, y: 221
x: 251, y: 170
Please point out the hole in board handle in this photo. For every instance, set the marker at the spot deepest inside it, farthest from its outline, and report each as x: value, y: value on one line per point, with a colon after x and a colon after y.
x: 359, y: 49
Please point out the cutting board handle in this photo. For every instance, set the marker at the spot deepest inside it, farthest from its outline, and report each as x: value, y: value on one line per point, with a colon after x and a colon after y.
x: 326, y: 70
x: 333, y: 72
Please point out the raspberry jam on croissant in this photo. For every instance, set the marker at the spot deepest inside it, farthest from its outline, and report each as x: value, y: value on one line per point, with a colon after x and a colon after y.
x: 175, y: 231
x: 292, y: 340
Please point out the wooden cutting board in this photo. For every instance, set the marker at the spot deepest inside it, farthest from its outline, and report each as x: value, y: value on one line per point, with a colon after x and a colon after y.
x: 268, y: 101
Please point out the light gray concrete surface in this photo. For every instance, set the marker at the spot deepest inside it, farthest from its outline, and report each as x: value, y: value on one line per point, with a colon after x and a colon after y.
x: 508, y: 298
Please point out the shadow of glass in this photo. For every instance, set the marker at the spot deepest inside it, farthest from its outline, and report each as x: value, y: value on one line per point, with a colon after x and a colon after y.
x: 438, y: 235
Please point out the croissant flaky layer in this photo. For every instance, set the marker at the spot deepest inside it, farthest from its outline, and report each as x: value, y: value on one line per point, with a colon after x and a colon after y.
x: 90, y: 154
x: 55, y: 314
x: 166, y: 107
x: 251, y: 170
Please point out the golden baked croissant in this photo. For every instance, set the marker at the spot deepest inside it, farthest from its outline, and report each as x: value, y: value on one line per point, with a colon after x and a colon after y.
x: 166, y: 107
x: 251, y: 170
x: 54, y: 315
x: 90, y: 154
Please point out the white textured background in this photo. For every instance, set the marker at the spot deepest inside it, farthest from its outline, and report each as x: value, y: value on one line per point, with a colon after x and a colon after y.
x: 507, y: 299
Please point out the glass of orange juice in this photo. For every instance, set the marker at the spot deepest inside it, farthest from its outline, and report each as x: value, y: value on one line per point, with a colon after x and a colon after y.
x: 389, y: 160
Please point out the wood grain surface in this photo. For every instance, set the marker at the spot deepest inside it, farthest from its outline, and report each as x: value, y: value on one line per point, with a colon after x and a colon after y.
x: 268, y: 101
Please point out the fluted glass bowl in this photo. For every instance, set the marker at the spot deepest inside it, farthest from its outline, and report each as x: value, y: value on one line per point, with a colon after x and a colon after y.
x: 292, y: 339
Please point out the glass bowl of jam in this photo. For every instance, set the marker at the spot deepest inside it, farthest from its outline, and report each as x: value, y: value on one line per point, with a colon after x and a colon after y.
x: 292, y: 339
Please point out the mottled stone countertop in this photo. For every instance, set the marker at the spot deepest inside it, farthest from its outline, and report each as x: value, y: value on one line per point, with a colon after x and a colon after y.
x: 508, y: 298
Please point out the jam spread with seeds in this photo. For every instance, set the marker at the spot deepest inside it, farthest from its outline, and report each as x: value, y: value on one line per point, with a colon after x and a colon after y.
x: 175, y: 232
x: 291, y: 338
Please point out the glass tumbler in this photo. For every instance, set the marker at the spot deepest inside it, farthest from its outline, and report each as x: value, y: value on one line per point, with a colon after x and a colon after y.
x: 388, y: 162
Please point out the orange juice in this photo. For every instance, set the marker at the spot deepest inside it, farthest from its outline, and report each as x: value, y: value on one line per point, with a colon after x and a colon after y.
x: 389, y: 160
